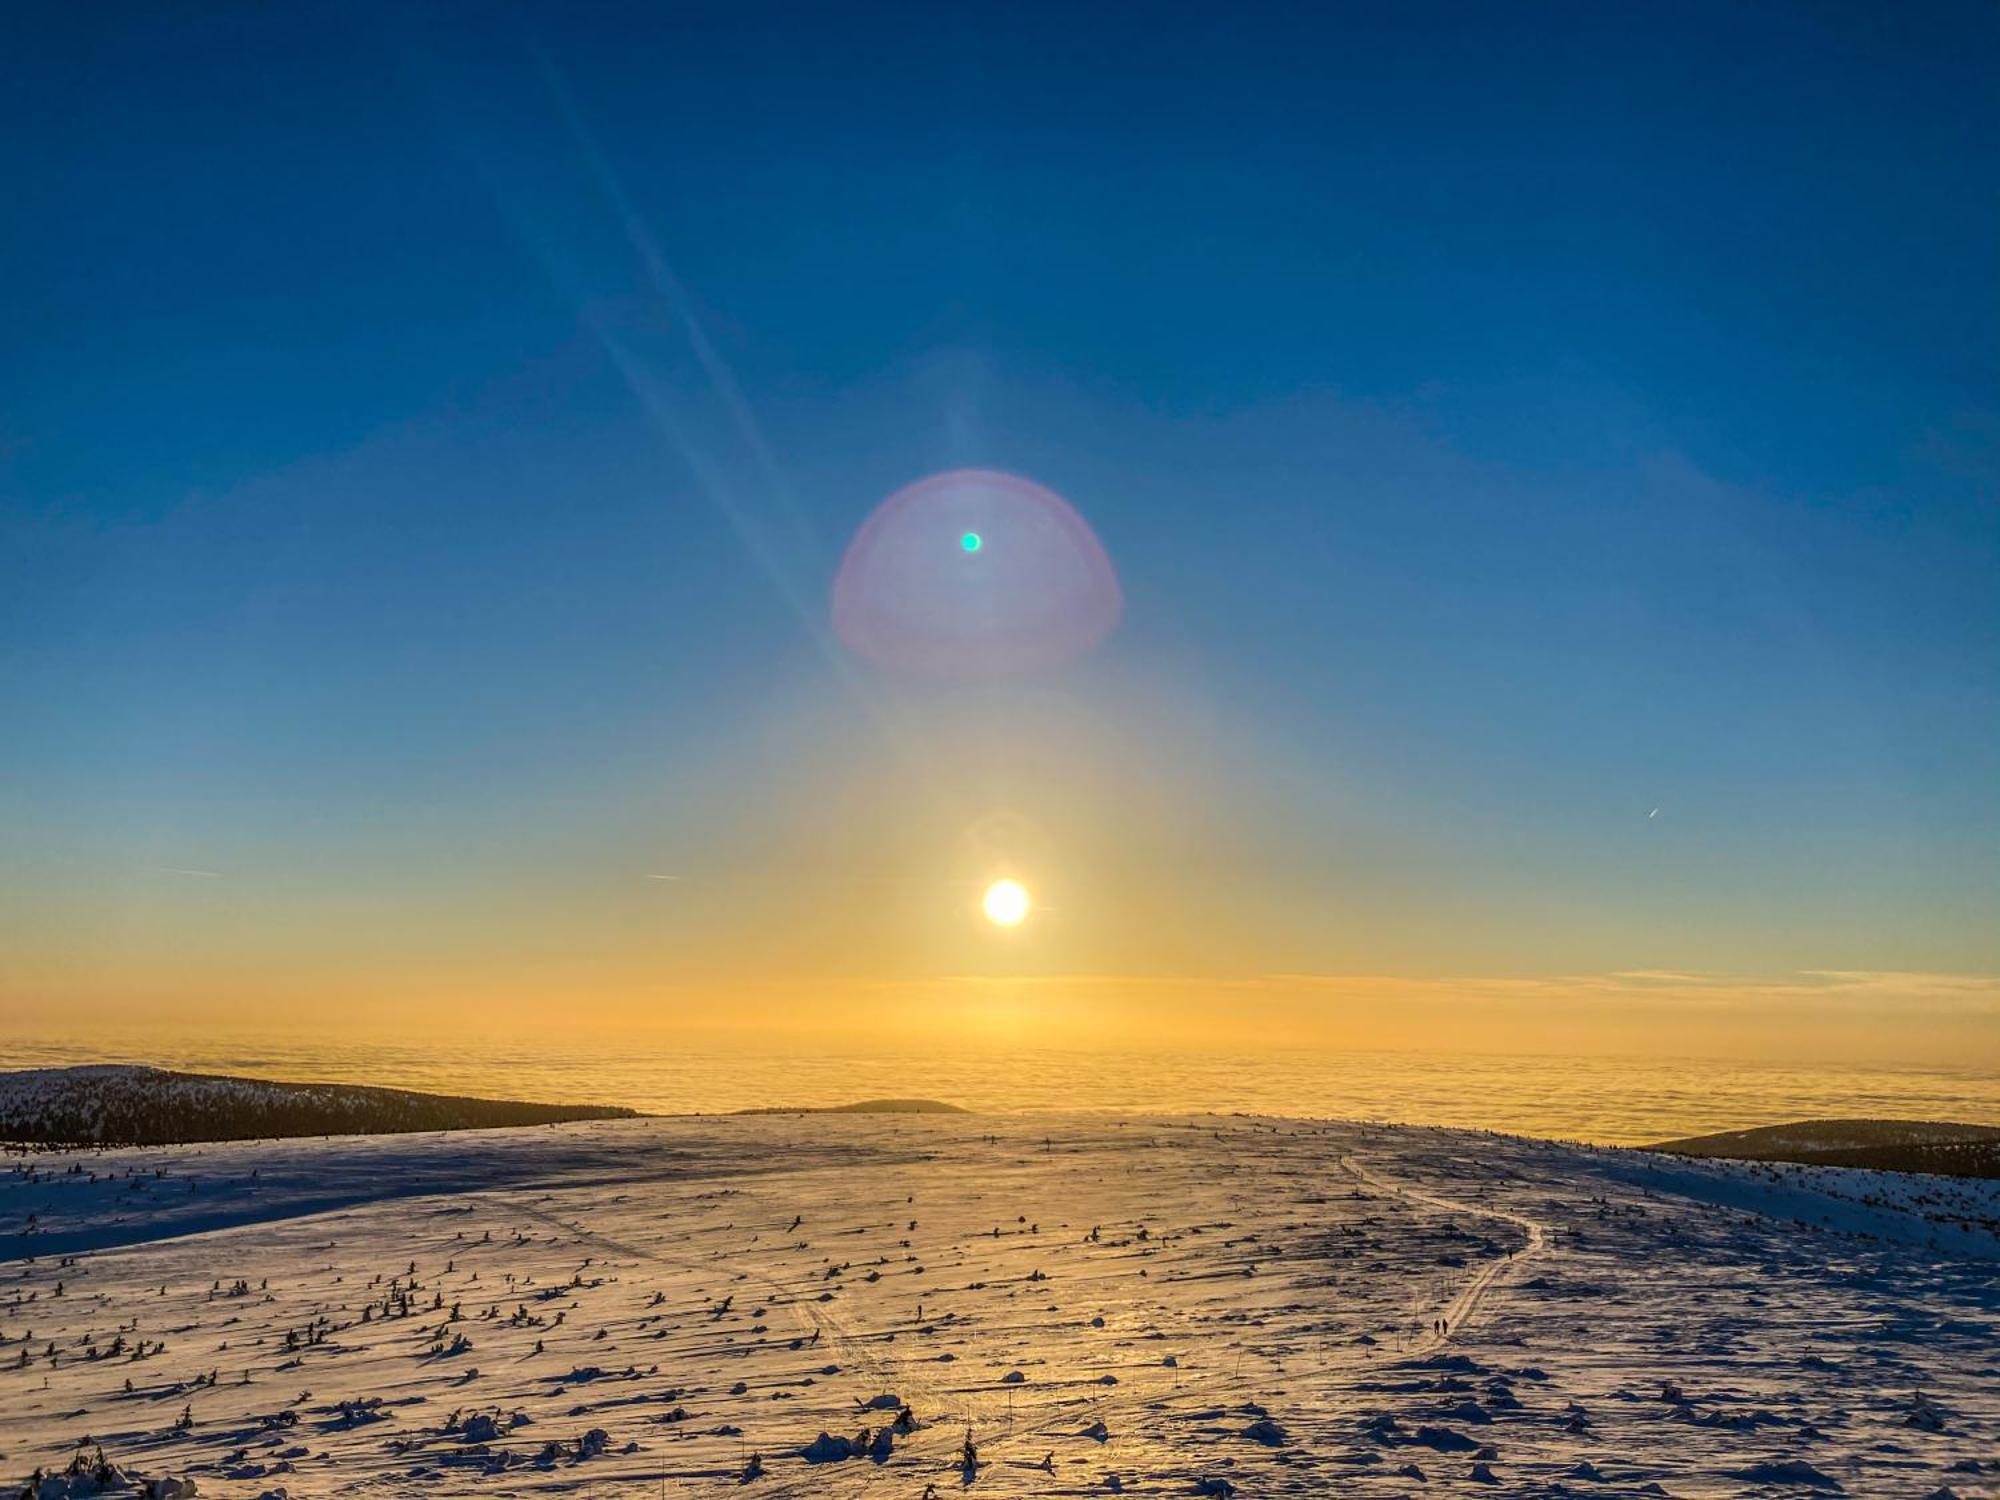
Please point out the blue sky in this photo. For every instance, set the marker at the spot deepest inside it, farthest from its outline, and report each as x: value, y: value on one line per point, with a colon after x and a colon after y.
x: 427, y: 435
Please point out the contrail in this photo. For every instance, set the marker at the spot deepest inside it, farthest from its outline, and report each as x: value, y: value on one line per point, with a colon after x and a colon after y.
x: 670, y: 288
x: 721, y: 380
x: 753, y: 534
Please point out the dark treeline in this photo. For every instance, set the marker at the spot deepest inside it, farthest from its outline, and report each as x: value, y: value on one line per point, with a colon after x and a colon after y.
x: 136, y: 1106
x: 1950, y: 1150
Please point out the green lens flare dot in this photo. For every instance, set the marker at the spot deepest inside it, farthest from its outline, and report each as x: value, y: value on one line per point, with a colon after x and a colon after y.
x: 971, y: 542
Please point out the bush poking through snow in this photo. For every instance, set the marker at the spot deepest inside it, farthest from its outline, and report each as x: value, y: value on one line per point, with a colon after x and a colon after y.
x: 93, y: 1474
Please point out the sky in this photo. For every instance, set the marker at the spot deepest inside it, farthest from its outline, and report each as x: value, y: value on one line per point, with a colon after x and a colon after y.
x: 1548, y: 455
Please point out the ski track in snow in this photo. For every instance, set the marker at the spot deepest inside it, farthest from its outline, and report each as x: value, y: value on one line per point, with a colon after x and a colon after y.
x: 1707, y: 1328
x: 1459, y: 1317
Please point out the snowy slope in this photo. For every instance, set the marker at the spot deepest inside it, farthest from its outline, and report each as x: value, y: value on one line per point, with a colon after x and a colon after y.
x: 1104, y: 1305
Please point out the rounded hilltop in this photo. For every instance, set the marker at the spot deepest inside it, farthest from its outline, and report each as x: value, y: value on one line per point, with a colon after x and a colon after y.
x: 863, y: 1107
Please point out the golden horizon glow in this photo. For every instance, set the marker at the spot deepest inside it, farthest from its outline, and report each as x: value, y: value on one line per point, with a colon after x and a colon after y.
x: 1006, y: 903
x: 1215, y: 892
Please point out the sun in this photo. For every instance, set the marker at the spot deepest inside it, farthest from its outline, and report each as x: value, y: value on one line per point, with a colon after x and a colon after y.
x: 1006, y: 903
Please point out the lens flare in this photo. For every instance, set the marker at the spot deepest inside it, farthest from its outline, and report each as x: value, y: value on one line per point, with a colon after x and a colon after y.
x: 1043, y: 590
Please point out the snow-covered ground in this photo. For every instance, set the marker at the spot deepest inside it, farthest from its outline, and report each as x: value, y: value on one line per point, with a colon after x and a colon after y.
x: 1104, y: 1304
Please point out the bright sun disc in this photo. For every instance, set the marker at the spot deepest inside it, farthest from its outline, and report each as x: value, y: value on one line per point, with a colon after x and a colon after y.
x: 1006, y: 903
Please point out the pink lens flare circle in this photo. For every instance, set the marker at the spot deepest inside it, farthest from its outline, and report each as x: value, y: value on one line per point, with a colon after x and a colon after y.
x: 974, y: 573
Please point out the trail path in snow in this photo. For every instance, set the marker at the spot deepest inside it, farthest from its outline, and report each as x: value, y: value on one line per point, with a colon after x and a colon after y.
x: 1462, y: 1313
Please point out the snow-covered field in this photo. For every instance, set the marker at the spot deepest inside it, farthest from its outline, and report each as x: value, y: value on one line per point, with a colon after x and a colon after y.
x: 1103, y: 1304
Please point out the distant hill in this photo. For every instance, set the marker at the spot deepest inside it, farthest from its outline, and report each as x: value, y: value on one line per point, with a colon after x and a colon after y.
x: 1951, y: 1150
x: 121, y: 1105
x: 863, y: 1107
